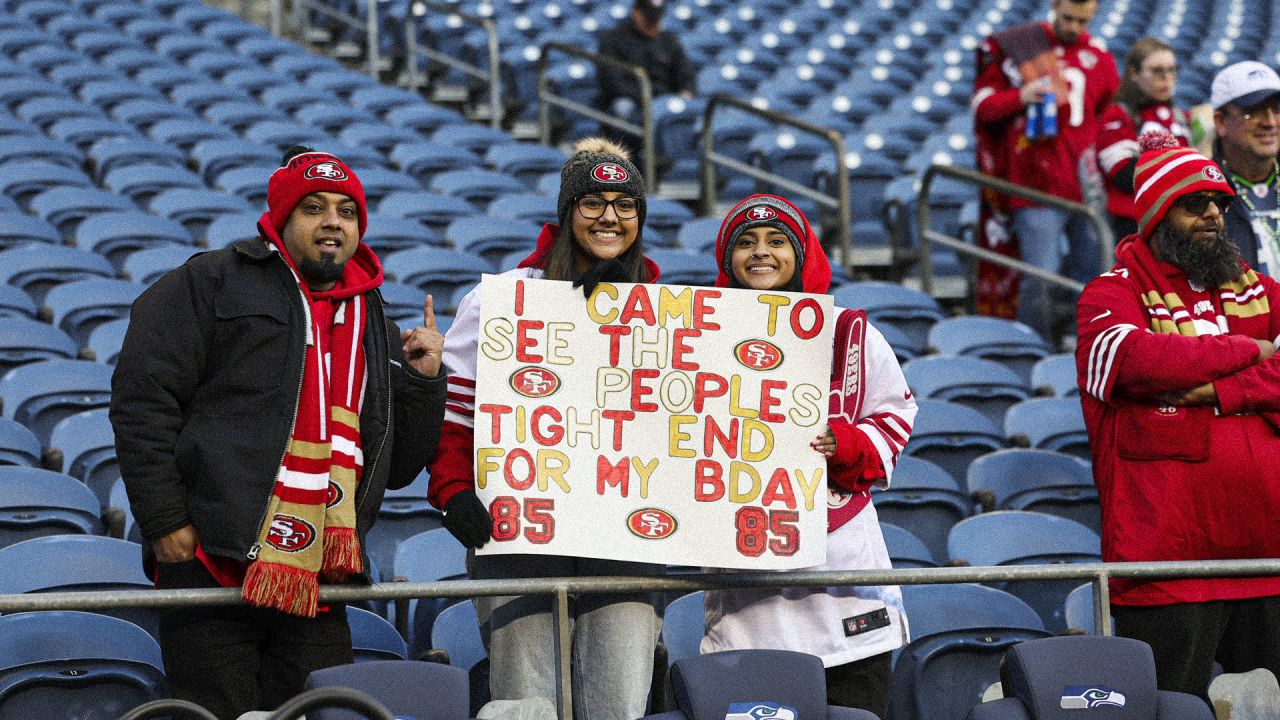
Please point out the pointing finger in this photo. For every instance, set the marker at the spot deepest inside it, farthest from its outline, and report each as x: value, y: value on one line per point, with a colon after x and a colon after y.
x: 429, y: 313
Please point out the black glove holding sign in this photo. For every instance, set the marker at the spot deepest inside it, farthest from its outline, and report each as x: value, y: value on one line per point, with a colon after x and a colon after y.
x: 467, y: 519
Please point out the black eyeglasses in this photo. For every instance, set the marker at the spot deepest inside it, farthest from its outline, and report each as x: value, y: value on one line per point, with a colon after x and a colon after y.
x: 592, y: 207
x: 1198, y: 203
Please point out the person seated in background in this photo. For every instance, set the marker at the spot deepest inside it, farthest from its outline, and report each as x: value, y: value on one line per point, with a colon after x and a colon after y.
x: 766, y: 243
x: 640, y: 40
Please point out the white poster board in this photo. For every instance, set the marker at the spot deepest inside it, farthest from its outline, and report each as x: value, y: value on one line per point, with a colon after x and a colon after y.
x: 656, y: 423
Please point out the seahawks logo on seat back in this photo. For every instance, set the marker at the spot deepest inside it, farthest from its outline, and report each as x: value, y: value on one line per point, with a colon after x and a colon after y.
x: 1088, y: 697
x: 760, y: 711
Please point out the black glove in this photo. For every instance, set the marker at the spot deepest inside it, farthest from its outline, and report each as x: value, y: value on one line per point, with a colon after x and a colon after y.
x: 467, y: 519
x: 610, y: 270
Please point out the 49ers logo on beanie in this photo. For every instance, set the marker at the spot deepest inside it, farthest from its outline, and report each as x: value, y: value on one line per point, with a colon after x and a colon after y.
x: 610, y: 173
x: 311, y: 172
x: 762, y: 212
x: 1165, y: 172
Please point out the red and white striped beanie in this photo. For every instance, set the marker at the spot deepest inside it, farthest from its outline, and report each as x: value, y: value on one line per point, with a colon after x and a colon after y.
x: 1166, y: 172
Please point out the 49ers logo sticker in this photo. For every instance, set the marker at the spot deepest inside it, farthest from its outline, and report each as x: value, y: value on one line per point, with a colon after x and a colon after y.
x: 535, y: 382
x: 758, y: 354
x: 762, y: 212
x: 651, y: 524
x: 290, y: 534
x: 610, y: 173
x: 325, y: 171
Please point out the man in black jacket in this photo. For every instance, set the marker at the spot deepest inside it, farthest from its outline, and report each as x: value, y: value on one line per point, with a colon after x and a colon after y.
x: 640, y: 40
x: 262, y: 403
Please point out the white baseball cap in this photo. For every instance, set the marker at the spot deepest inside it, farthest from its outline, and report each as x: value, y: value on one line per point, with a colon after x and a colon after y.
x: 1246, y: 83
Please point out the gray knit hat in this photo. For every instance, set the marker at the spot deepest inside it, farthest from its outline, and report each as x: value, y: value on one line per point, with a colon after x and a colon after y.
x: 598, y: 166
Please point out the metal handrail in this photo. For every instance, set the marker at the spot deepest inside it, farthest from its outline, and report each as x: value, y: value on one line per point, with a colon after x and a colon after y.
x: 546, y: 98
x: 492, y: 76
x: 710, y: 159
x: 369, y: 25
x: 561, y: 588
x: 1106, y: 239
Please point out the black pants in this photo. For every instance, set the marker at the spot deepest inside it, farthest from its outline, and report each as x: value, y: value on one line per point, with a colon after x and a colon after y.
x: 861, y: 684
x: 233, y: 659
x: 1188, y: 637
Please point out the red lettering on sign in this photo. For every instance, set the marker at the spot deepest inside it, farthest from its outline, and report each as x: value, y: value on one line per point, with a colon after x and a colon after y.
x: 707, y: 386
x: 802, y: 332
x: 495, y: 413
x: 546, y: 438
x: 524, y: 343
x: 619, y: 417
x: 702, y: 311
x: 639, y: 389
x: 680, y: 348
x: 778, y: 489
x: 615, y: 333
x: 612, y: 475
x: 509, y: 469
x: 638, y: 307
x: 708, y: 481
x: 768, y: 400
x: 714, y: 435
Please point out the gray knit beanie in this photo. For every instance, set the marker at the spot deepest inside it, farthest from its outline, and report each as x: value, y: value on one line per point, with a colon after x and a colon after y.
x: 599, y: 166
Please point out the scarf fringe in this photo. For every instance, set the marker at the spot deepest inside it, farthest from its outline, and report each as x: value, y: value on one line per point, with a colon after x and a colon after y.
x: 341, y: 553
x: 285, y: 588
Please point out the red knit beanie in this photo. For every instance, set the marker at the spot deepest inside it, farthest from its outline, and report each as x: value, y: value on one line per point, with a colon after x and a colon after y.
x: 1166, y: 172
x: 307, y: 173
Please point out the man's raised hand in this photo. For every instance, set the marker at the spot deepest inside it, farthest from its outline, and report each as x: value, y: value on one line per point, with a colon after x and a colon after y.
x: 424, y: 345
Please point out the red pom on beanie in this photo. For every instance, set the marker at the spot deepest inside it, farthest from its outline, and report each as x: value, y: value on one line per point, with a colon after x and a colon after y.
x: 307, y: 173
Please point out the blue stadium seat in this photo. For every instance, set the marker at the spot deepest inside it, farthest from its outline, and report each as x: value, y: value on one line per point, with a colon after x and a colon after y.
x: 906, y: 551
x: 1018, y: 537
x: 663, y: 219
x: 283, y: 134
x: 195, y: 209
x: 140, y: 183
x: 184, y: 133
x: 407, y: 688
x: 37, y: 267
x: 377, y: 135
x: 1056, y: 375
x: 142, y: 114
x: 951, y: 435
x: 116, y: 234
x: 69, y: 664
x: 925, y: 500
x: 20, y: 146
x: 438, y: 271
x: 84, y: 131
x: 491, y: 237
x: 699, y: 234
x: 248, y: 182
x: 213, y: 157
x: 381, y: 99
x: 426, y: 557
x: 1077, y: 610
x: 106, y: 339
x: 475, y: 138
x: 705, y: 685
x: 984, y: 385
x: 457, y: 632
x: 145, y: 266
x: 379, y: 182
x: 683, y: 625
x: 679, y: 267
x: 24, y: 340
x: 18, y: 445
x: 959, y: 635
x: 478, y: 187
x: 238, y: 115
x: 373, y: 638
x: 73, y: 563
x: 911, y: 311
x: 526, y: 207
x: 423, y: 159
x: 1011, y: 343
x: 524, y: 162
x: 40, y: 394
x: 106, y: 94
x: 16, y: 303
x: 21, y: 181
x: 403, y: 304
x: 44, y: 111
x: 1049, y: 424
x: 389, y: 234
x: 35, y: 503
x: 333, y: 119
x: 1040, y: 480
x: 78, y: 306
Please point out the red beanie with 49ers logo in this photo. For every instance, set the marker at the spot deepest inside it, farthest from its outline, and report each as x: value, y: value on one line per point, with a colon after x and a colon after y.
x: 1165, y: 172
x: 307, y: 173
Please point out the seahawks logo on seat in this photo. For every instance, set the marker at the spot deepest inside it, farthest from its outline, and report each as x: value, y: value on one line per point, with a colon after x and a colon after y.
x: 760, y: 711
x: 1088, y: 697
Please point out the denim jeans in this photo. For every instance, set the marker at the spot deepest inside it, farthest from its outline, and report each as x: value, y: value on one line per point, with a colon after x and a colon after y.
x: 612, y: 637
x: 1058, y: 242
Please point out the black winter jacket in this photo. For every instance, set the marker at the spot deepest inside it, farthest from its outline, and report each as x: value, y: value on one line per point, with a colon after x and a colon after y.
x: 205, y: 390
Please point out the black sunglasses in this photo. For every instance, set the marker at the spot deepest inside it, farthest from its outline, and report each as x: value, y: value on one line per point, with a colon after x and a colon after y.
x: 1199, y: 202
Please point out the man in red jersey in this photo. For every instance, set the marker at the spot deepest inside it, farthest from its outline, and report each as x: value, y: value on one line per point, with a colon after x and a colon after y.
x: 1181, y: 394
x: 1017, y: 69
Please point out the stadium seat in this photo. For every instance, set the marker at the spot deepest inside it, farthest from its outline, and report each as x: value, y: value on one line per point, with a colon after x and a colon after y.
x: 21, y: 181
x: 684, y: 268
x: 985, y: 385
x: 924, y: 500
x: 491, y: 237
x: 109, y: 153
x: 423, y: 159
x: 407, y: 688
x: 86, y: 450
x: 475, y: 186
x: 1011, y: 343
x: 403, y: 304
x: 24, y: 340
x: 475, y: 138
x: 524, y: 162
x: 1112, y: 675
x: 106, y: 339
x: 705, y: 686
x: 78, y: 306
x: 373, y: 638
x: 1017, y: 537
x: 195, y: 209
x: 699, y: 234
x: 40, y: 394
x: 115, y: 235
x: 434, y: 270
x: 1038, y: 480
x: 35, y: 502
x: 73, y: 563
x: 229, y: 229
x: 1049, y: 424
x: 683, y: 625
x: 456, y: 632
x: 38, y: 267
x: 1056, y: 375
x: 238, y: 115
x: 951, y: 435
x: 911, y: 311
x: 426, y: 557
x: 65, y: 207
x: 74, y: 664
x: 184, y: 133
x: 526, y: 207
x: 905, y: 549
x: 959, y: 635
x: 433, y: 210
x: 15, y: 303
x: 18, y: 445
x: 389, y: 234
x: 663, y: 219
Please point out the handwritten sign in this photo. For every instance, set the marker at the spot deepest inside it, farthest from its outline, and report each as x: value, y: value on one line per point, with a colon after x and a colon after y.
x: 655, y: 423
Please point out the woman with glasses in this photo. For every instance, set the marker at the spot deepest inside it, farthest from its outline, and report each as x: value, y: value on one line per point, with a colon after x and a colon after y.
x: 1143, y: 102
x: 601, y: 209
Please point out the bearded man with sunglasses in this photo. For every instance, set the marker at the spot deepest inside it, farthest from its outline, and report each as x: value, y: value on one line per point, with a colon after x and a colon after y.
x: 1181, y: 394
